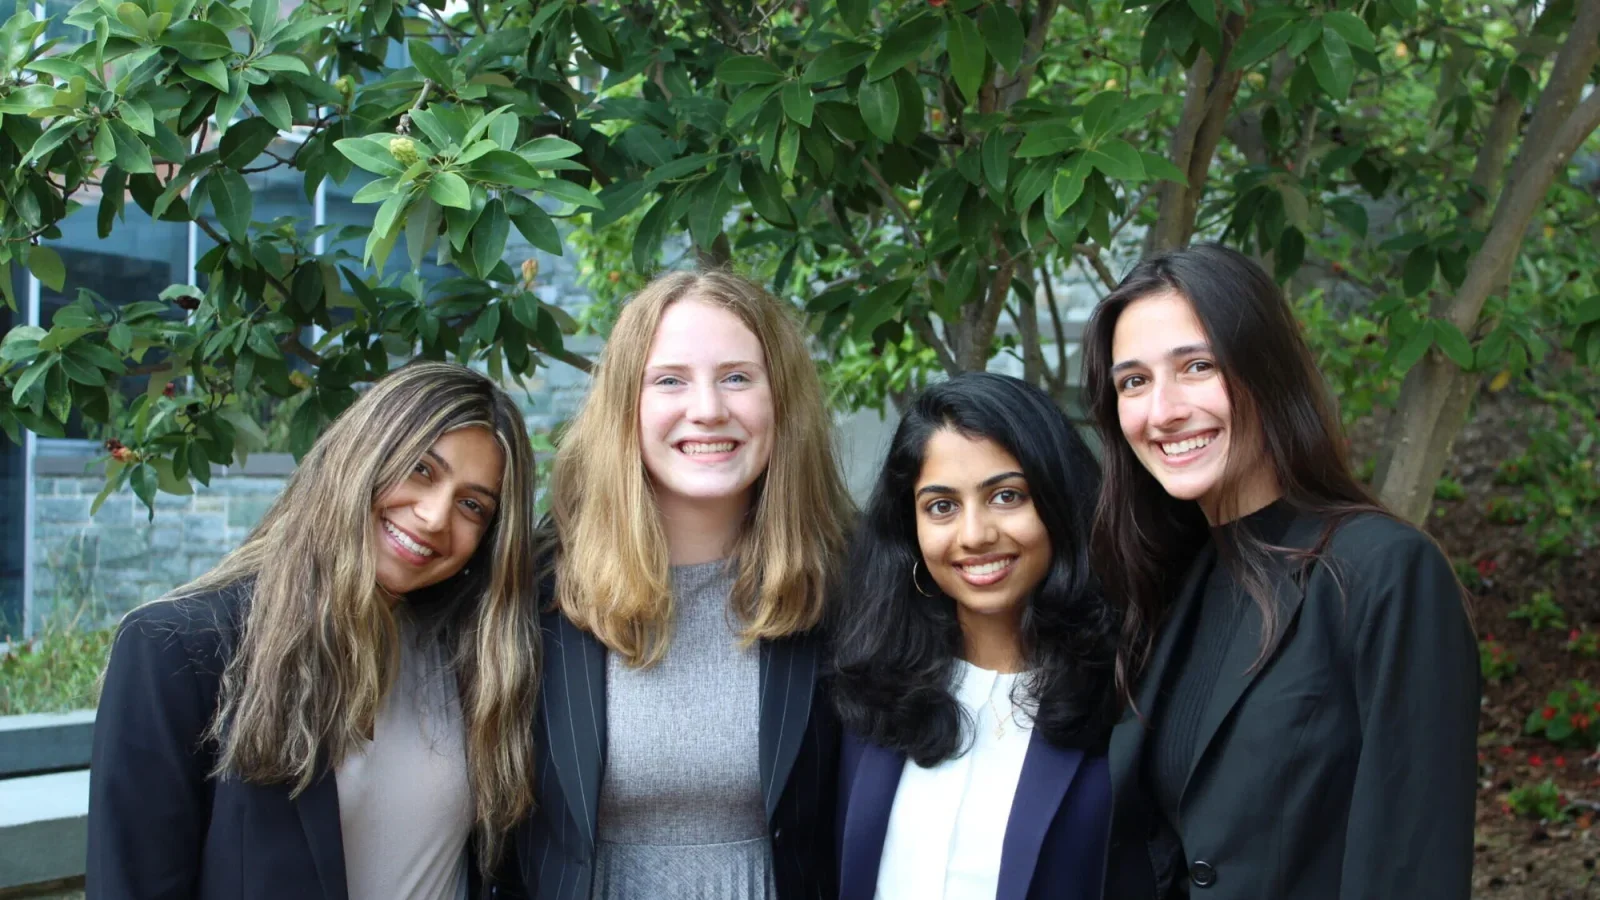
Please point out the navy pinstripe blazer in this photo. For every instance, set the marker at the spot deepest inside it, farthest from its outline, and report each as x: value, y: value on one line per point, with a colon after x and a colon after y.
x: 799, y: 749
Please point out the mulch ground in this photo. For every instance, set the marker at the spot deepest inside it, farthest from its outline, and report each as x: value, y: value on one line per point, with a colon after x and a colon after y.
x: 1517, y: 858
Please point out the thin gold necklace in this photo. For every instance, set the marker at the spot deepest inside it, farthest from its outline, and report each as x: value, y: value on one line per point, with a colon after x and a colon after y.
x: 1011, y: 708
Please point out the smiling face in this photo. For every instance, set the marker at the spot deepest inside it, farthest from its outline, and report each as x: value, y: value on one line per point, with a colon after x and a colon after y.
x: 980, y: 536
x: 429, y: 525
x: 705, y: 408
x: 1174, y: 408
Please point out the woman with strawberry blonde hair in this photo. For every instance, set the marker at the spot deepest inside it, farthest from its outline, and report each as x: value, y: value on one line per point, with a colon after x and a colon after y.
x: 688, y: 747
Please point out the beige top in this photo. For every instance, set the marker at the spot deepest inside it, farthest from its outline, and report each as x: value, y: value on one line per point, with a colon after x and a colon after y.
x: 405, y: 806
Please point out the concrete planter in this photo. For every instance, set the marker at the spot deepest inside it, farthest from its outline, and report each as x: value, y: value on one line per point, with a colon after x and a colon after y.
x: 44, y: 796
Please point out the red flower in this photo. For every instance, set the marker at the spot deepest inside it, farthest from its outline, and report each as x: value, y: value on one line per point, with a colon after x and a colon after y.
x: 170, y: 389
x: 1549, y: 713
x: 1485, y: 566
x: 1489, y: 637
x: 1506, y: 750
x: 1536, y: 761
x: 1580, y: 721
x: 1573, y: 635
x: 1561, y: 761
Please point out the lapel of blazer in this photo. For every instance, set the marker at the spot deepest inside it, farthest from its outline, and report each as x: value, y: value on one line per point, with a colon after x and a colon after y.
x: 866, y: 822
x: 788, y: 678
x: 318, y: 806
x: 1237, y: 673
x: 1127, y: 738
x: 1047, y: 772
x: 574, y: 699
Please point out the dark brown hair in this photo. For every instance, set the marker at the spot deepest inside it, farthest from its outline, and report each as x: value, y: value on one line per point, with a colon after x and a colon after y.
x: 1144, y: 538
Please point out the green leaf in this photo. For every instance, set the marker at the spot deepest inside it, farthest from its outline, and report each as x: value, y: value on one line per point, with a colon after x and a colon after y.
x: 81, y: 372
x: 567, y: 192
x: 197, y: 39
x: 748, y: 102
x: 538, y: 228
x: 853, y: 13
x: 213, y: 72
x: 596, y: 37
x: 1351, y: 28
x: 1350, y: 214
x: 369, y: 154
x: 789, y: 150
x: 450, y: 189
x: 30, y: 377
x: 274, y: 107
x: 46, y: 265
x: 431, y: 63
x: 997, y: 161
x: 1117, y: 159
x: 880, y: 108
x: 1260, y: 40
x: 1587, y: 311
x: 504, y: 167
x: 904, y: 45
x: 1205, y: 11
x: 798, y: 103
x: 835, y: 61
x: 1416, y: 344
x: 489, y: 236
x: 1048, y: 139
x: 233, y: 202
x: 966, y: 56
x: 1333, y: 65
x: 133, y: 156
x: 244, y: 142
x: 648, y: 236
x: 105, y: 145
x: 1159, y: 168
x: 1003, y: 34
x: 547, y: 149
x: 1418, y: 270
x: 748, y: 70
x: 145, y: 483
x: 1454, y: 344
x: 1068, y: 187
x: 766, y: 195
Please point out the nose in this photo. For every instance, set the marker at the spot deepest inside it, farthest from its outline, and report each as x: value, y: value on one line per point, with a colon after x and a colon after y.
x: 707, y: 404
x: 1168, y: 406
x: 432, y: 509
x: 977, y: 529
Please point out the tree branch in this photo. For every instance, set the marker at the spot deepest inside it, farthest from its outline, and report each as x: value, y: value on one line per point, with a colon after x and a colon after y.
x: 925, y: 333
x: 1056, y: 325
x: 900, y: 209
x: 1092, y: 254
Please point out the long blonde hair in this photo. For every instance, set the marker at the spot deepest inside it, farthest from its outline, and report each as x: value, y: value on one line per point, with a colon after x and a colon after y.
x: 319, y: 646
x: 612, y: 569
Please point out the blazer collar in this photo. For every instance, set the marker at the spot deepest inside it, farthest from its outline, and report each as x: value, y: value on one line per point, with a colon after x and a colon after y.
x: 788, y: 682
x: 1047, y: 773
x: 574, y: 698
x: 1240, y: 666
x: 318, y: 806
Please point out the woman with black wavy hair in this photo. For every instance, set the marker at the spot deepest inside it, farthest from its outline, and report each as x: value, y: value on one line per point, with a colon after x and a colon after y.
x: 974, y: 658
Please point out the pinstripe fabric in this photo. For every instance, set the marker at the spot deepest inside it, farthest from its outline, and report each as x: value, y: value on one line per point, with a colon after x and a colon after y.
x: 799, y: 742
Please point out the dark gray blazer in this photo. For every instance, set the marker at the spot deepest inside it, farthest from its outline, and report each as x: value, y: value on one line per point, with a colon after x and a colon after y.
x: 1344, y: 766
x: 799, y: 749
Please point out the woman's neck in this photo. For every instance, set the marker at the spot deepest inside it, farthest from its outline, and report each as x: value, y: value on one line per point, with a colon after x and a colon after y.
x: 701, y: 531
x: 992, y: 641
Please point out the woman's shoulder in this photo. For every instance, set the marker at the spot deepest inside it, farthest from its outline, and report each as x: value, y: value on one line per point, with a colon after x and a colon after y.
x: 204, y: 623
x: 1375, y: 538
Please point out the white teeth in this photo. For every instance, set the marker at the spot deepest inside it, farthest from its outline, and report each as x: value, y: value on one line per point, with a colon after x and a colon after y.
x: 695, y: 449
x: 988, y: 568
x: 1186, y: 446
x: 405, y: 541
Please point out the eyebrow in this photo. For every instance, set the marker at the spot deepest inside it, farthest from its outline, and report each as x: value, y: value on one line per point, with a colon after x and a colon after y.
x: 1174, y: 353
x: 493, y: 496
x: 989, y: 482
x: 680, y: 367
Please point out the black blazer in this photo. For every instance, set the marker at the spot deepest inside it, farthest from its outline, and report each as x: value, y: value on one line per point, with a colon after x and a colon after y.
x: 1345, y: 765
x: 160, y: 828
x: 799, y: 745
x: 1055, y: 840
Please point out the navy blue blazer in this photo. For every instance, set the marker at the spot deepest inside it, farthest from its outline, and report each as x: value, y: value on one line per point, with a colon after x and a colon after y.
x: 1055, y: 844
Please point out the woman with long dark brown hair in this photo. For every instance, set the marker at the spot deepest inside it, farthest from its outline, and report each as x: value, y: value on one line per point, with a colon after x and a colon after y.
x: 1302, y: 672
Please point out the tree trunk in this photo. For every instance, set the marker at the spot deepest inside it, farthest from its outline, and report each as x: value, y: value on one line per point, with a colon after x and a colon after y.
x: 1436, y: 395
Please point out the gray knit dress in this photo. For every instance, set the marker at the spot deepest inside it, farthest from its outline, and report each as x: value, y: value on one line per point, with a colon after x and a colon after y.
x: 681, y: 813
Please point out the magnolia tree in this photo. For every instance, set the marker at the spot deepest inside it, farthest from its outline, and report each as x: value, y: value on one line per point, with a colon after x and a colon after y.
x: 914, y: 172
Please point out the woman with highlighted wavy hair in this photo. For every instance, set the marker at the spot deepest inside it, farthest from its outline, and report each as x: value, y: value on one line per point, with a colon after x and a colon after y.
x: 687, y: 746
x: 342, y: 707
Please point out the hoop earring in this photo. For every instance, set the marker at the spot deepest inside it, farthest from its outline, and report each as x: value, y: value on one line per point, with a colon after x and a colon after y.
x: 916, y: 582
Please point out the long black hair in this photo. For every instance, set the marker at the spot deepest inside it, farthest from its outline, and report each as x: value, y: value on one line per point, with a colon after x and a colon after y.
x: 1144, y: 538
x: 895, y: 648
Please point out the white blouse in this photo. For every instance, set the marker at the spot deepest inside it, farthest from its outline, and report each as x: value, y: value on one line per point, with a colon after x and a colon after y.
x: 948, y: 823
